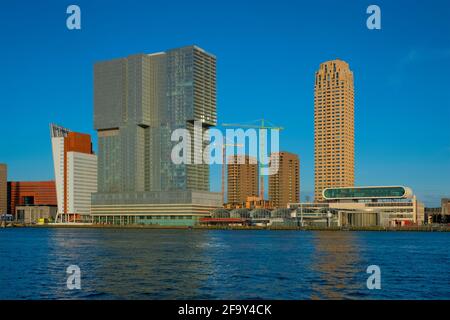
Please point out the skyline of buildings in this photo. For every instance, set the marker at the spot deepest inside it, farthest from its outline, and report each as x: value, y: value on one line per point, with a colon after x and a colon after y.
x: 334, y: 127
x: 389, y: 79
x: 363, y: 146
x: 140, y: 100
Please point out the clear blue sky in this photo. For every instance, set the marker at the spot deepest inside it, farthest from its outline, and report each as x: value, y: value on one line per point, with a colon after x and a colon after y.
x: 267, y: 54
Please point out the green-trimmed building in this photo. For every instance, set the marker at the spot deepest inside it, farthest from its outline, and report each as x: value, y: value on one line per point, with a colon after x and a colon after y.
x: 387, y: 206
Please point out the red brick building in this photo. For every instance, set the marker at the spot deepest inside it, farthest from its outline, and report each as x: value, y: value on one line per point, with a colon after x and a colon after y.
x: 21, y: 193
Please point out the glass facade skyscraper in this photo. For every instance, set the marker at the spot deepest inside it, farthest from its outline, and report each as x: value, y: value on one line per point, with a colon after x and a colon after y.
x: 138, y: 102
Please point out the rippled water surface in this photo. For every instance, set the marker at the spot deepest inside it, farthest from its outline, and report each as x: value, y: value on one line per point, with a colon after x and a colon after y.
x: 216, y: 264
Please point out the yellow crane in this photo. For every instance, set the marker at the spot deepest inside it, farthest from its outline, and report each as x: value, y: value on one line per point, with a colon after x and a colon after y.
x: 263, y: 124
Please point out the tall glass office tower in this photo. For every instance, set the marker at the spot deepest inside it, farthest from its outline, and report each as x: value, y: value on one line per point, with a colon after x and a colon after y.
x: 138, y: 102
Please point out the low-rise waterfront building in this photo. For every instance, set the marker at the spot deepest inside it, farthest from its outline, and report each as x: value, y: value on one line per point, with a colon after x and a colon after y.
x: 250, y: 217
x: 439, y: 214
x: 314, y: 214
x: 251, y: 202
x: 433, y: 215
x: 34, y: 214
x: 222, y: 217
x: 171, y: 208
x: 29, y: 193
x: 387, y: 206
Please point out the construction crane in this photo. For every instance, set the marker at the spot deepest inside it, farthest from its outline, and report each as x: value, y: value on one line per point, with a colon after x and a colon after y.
x: 264, y: 124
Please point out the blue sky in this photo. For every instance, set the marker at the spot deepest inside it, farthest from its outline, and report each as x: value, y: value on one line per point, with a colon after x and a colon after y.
x: 267, y: 54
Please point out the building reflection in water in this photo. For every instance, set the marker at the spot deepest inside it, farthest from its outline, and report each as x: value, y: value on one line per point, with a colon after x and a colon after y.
x: 136, y: 264
x: 336, y: 264
x: 193, y: 264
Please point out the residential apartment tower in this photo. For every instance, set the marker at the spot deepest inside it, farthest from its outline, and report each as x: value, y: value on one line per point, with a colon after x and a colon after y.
x: 334, y: 140
x: 284, y: 186
x: 242, y: 179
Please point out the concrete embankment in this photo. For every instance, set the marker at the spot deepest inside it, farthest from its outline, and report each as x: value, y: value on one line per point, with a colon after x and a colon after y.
x: 443, y: 228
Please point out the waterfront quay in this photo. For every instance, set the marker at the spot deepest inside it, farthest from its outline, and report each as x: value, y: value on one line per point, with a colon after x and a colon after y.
x: 423, y: 228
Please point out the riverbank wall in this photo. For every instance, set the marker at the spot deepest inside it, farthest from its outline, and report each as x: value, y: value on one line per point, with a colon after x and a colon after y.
x: 443, y: 228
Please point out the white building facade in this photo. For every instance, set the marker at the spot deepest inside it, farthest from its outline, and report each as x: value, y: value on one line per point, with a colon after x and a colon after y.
x: 75, y: 167
x: 387, y: 206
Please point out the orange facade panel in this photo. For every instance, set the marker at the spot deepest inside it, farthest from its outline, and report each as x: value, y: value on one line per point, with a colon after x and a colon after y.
x: 78, y: 142
x: 74, y: 142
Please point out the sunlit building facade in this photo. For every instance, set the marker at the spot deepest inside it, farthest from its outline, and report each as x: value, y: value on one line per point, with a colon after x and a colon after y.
x: 30, y: 193
x: 139, y: 101
x: 75, y: 168
x: 37, y: 214
x: 242, y: 178
x: 3, y: 188
x: 445, y: 205
x: 334, y: 138
x: 284, y: 186
x: 387, y: 206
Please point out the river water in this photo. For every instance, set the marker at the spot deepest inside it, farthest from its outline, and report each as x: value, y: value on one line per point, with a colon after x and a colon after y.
x: 221, y: 264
